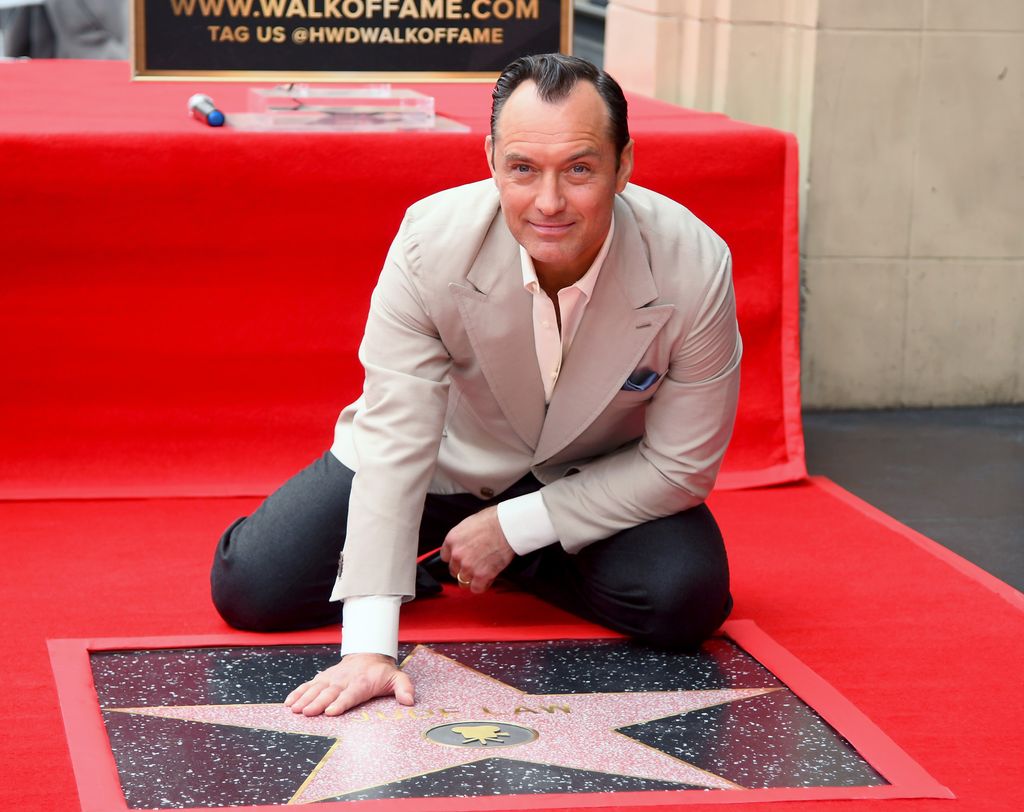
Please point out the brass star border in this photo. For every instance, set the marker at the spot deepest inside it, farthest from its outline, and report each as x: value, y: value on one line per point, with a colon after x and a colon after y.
x: 373, y: 746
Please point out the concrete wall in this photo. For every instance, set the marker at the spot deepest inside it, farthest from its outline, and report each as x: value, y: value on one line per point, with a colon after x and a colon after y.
x: 910, y: 117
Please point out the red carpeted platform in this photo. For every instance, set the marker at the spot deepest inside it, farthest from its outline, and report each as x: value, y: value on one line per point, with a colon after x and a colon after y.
x: 924, y: 646
x: 181, y: 305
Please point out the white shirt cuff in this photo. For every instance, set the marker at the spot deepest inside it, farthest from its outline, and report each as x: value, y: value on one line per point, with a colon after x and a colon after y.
x: 526, y: 523
x: 370, y: 625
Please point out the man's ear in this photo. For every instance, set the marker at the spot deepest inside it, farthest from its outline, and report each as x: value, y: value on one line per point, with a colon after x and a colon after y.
x: 489, y: 151
x: 625, y: 170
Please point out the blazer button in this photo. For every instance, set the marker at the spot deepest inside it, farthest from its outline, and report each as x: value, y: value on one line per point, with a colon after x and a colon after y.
x: 487, y: 493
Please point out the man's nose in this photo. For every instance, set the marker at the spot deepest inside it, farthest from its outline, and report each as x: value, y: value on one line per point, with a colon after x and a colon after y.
x: 550, y: 199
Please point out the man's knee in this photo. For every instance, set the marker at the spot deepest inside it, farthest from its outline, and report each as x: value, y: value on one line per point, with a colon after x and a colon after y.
x: 273, y: 570
x: 241, y: 602
x: 267, y: 610
x: 689, y: 597
x: 665, y: 583
x: 253, y: 596
x: 685, y: 612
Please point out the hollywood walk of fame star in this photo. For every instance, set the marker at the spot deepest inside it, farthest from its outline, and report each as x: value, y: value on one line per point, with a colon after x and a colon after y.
x: 462, y: 716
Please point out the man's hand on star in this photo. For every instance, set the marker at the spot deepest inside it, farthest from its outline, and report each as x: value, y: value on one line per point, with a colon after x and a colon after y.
x: 358, y: 678
x: 476, y: 550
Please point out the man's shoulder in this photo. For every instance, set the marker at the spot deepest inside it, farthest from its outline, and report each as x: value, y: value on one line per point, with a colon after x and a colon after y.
x: 475, y: 201
x: 441, y: 235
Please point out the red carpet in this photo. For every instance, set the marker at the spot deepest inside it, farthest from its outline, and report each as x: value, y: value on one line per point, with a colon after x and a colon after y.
x: 930, y: 654
x: 147, y: 355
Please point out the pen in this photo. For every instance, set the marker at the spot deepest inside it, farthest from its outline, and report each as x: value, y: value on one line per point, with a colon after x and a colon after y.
x: 202, y: 108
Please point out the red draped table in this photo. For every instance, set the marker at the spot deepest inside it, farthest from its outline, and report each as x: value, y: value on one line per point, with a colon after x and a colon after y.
x: 181, y: 305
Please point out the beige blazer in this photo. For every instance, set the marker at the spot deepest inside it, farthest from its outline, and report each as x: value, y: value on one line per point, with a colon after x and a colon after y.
x: 453, y: 400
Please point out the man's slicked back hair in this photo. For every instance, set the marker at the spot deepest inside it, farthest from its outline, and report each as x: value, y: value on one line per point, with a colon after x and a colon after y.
x: 555, y: 76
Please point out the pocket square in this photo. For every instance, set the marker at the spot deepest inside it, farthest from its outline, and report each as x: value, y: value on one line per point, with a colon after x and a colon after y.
x: 640, y: 381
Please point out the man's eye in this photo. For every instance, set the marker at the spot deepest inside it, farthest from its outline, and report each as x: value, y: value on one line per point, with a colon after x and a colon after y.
x: 579, y: 169
x: 520, y: 169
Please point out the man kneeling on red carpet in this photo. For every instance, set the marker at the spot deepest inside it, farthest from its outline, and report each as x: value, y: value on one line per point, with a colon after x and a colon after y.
x: 551, y: 368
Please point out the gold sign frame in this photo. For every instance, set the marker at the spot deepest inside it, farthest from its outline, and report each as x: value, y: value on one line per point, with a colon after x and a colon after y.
x: 244, y: 12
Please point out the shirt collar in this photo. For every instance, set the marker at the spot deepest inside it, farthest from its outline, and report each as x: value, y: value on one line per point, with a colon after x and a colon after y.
x: 585, y: 283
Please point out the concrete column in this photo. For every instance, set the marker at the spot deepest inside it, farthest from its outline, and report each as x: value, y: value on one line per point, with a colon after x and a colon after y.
x: 913, y: 262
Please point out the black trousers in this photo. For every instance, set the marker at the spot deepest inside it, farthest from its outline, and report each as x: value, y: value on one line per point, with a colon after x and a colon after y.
x: 665, y: 582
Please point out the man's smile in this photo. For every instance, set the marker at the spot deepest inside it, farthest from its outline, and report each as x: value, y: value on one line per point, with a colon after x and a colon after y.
x: 550, y: 229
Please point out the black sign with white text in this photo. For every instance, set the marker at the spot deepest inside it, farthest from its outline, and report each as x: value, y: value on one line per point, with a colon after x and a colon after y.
x: 288, y: 39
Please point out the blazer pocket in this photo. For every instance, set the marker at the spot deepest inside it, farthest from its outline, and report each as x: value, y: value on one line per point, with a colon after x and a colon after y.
x: 640, y: 380
x: 639, y: 387
x: 627, y: 397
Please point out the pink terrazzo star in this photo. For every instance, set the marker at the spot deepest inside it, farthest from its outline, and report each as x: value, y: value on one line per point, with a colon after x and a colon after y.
x: 382, y: 742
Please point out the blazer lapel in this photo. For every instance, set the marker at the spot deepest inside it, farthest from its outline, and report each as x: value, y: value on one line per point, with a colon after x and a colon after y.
x: 615, y: 332
x: 498, y: 317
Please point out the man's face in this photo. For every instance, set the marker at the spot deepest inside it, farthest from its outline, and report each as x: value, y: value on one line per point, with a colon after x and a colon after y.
x: 555, y: 168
